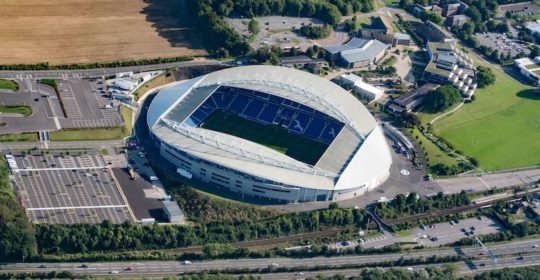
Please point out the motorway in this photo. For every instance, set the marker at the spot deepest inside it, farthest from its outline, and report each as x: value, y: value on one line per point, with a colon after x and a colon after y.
x: 462, y: 268
x: 175, y: 267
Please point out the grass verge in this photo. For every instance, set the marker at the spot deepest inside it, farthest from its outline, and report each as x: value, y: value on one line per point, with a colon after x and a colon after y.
x: 9, y: 84
x: 111, y: 133
x: 21, y: 137
x: 160, y: 80
x: 434, y: 155
x: 22, y: 109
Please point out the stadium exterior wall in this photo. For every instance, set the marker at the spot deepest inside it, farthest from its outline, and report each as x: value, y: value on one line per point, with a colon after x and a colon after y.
x: 233, y: 180
x: 365, y: 169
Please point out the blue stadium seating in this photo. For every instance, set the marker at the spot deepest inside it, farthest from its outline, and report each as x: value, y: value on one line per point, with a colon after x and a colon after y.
x: 269, y: 109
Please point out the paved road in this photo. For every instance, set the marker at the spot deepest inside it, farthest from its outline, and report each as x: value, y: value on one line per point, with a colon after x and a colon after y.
x: 62, y: 144
x: 462, y: 268
x: 489, y: 180
x: 82, y: 73
x: 174, y: 267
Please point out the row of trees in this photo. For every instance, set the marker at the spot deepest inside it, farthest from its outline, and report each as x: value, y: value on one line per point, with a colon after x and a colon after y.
x: 118, y: 63
x: 17, y: 238
x: 328, y: 11
x: 129, y: 236
x: 412, y: 204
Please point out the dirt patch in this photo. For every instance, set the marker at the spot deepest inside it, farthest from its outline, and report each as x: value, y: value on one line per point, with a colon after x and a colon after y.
x: 81, y: 31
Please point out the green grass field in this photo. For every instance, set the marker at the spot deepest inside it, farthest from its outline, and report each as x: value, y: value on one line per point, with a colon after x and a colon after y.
x: 501, y: 128
x: 272, y: 136
x: 22, y: 137
x: 9, y: 84
x: 23, y: 110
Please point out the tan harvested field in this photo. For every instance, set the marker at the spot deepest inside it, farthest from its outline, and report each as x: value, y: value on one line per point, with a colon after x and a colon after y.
x: 84, y: 31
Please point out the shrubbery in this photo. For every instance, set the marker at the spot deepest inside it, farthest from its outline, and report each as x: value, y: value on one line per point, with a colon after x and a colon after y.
x: 128, y: 236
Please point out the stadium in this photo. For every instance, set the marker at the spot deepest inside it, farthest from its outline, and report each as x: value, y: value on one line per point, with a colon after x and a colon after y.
x: 270, y: 132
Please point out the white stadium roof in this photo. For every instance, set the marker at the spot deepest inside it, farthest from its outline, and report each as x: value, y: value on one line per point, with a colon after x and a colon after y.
x: 358, y: 153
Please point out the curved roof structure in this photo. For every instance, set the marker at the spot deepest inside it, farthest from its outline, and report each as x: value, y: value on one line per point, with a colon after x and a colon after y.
x: 358, y: 152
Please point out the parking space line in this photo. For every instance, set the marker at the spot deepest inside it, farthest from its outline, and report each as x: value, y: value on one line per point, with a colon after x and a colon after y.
x: 77, y: 207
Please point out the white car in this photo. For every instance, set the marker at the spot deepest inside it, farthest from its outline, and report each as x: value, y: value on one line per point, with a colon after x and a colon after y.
x: 113, y: 272
x: 187, y: 262
x: 536, y: 246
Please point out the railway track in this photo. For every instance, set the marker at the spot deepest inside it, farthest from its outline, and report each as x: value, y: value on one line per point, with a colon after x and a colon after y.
x: 263, y: 242
x: 459, y: 209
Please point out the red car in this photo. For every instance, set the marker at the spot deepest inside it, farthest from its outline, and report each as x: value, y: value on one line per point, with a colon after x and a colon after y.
x: 129, y: 268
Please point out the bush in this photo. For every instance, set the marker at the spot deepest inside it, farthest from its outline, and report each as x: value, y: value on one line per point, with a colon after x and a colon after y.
x: 315, y: 32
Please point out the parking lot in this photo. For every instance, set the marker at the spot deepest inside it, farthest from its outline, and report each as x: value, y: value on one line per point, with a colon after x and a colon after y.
x: 437, y: 234
x: 85, y: 102
x: 502, y: 43
x: 521, y: 8
x: 276, y: 30
x: 85, y: 105
x: 68, y: 187
x: 446, y: 233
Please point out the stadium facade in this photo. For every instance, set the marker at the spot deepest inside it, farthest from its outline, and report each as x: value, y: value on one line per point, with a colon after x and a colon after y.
x: 270, y: 132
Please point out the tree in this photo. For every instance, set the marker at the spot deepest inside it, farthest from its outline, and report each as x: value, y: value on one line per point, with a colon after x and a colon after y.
x: 435, y: 18
x: 442, y: 98
x: 410, y: 119
x: 222, y: 53
x: 254, y: 27
x: 315, y: 32
x: 484, y: 77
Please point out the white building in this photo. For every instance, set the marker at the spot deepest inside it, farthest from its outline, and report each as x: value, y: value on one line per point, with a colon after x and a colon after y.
x: 354, y: 158
x: 529, y: 68
x: 361, y: 88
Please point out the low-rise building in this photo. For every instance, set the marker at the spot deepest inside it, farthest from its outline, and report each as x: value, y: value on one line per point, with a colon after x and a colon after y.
x: 533, y: 27
x: 529, y: 69
x: 361, y: 88
x: 411, y: 100
x: 357, y: 53
x: 380, y: 29
x: 173, y: 212
x: 456, y: 20
x: 432, y: 32
x: 298, y: 61
x: 401, y: 39
x: 449, y: 65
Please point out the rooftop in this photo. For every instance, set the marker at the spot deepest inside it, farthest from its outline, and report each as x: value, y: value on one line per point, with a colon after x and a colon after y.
x: 402, y: 36
x: 173, y: 208
x: 368, y: 51
x: 354, y: 43
x: 381, y: 22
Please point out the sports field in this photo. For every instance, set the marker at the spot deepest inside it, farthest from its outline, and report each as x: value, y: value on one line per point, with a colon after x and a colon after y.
x: 272, y: 136
x: 501, y: 128
x: 75, y: 31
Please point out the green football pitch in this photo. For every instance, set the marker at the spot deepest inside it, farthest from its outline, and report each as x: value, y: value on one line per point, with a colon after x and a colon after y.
x: 272, y: 136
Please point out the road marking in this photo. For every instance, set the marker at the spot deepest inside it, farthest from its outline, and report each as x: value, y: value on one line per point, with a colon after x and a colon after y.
x: 60, y: 168
x: 76, y: 207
